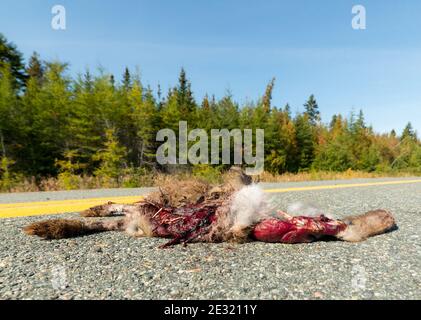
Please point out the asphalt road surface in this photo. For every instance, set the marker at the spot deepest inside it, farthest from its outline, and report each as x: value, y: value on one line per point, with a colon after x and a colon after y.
x: 114, y: 266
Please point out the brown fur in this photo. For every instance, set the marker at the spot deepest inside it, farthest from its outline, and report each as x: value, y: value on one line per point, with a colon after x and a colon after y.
x: 65, y: 228
x: 56, y: 229
x: 177, y: 193
x: 367, y: 225
x: 140, y: 227
x: 98, y: 211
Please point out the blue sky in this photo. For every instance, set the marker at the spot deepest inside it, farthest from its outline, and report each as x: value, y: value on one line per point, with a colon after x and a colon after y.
x: 239, y: 45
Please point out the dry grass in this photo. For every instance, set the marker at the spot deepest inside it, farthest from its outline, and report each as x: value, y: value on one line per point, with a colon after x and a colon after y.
x: 328, y: 175
x: 158, y: 179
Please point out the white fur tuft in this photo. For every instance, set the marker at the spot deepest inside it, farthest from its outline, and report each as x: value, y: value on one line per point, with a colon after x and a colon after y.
x: 248, y: 206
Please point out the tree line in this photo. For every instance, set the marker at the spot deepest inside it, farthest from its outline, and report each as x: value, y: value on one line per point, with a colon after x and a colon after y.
x: 55, y: 125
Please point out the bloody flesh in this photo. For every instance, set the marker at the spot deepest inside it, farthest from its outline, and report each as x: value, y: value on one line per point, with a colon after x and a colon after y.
x: 184, y: 224
x: 296, y: 229
x: 189, y: 223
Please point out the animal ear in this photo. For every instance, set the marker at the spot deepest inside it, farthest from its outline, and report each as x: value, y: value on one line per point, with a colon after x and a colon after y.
x: 238, y: 174
x: 245, y: 178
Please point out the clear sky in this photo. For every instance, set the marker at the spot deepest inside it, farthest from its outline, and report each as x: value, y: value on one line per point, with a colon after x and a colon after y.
x: 309, y: 46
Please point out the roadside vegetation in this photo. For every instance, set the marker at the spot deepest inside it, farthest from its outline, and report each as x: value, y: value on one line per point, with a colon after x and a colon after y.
x: 91, y: 131
x: 154, y: 179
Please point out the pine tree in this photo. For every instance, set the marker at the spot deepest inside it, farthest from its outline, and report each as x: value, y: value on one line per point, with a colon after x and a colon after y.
x: 335, y: 154
x: 312, y: 110
x: 11, y: 58
x: 86, y: 122
x: 112, y: 158
x: 206, y: 103
x: 205, y: 116
x: 305, y: 141
x: 333, y: 122
x: 226, y: 113
x: 127, y: 81
x: 112, y: 81
x: 159, y: 95
x: 185, y: 100
x: 358, y: 125
x: 408, y: 133
x: 7, y: 99
x: 35, y: 69
x: 267, y: 98
x: 337, y: 126
x: 280, y: 143
x: 11, y: 139
x: 145, y: 117
x: 393, y: 133
x: 287, y: 110
x: 30, y: 105
x: 170, y: 114
x: 360, y: 120
x: 51, y: 118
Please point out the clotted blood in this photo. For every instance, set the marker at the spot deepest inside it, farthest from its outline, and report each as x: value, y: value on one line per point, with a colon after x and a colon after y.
x: 296, y: 230
x: 184, y: 224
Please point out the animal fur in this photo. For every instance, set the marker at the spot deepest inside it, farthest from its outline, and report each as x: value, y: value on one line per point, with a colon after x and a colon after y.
x: 370, y: 224
x: 238, y: 207
x: 65, y: 228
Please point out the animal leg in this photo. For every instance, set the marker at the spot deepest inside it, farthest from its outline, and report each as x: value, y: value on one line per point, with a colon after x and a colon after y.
x: 367, y: 225
x: 107, y: 210
x: 65, y: 228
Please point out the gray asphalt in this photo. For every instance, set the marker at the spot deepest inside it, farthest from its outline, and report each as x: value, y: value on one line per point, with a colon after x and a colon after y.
x: 115, y: 266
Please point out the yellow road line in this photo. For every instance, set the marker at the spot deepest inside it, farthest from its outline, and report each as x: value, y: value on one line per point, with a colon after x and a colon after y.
x: 10, y: 210
x: 342, y: 186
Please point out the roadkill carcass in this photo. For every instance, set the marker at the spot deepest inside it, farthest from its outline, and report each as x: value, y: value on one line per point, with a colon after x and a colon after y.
x: 194, y: 211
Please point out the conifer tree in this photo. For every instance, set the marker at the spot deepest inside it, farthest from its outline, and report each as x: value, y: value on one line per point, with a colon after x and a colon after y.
x: 185, y: 100
x: 10, y: 120
x: 204, y: 115
x: 127, y: 80
x: 11, y: 58
x: 393, y: 133
x: 267, y: 98
x: 35, y: 69
x: 170, y: 113
x: 408, y: 132
x: 85, y: 124
x: 280, y: 142
x: 30, y: 104
x: 312, y: 110
x: 287, y: 110
x: 226, y: 113
x: 111, y: 158
x: 145, y: 116
x: 51, y: 118
x: 305, y: 141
